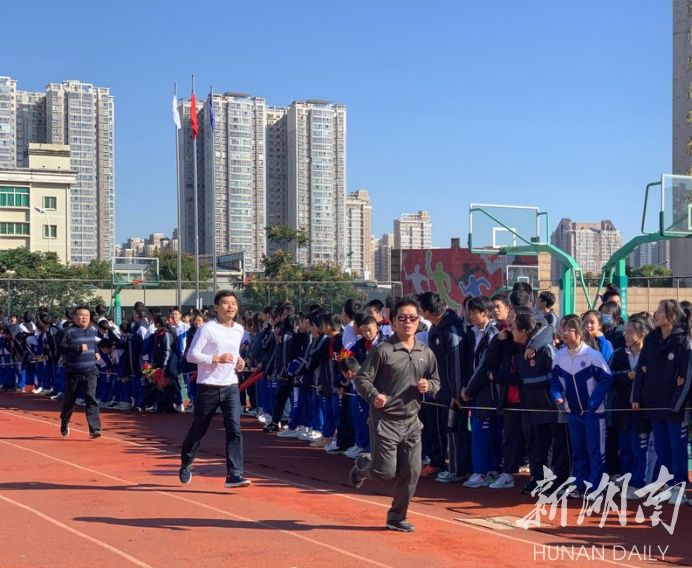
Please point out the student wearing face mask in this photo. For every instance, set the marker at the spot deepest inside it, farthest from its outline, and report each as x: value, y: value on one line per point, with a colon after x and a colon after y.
x: 613, y: 326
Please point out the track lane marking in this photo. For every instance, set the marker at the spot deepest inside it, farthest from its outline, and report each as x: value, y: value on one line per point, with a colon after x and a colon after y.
x: 334, y: 492
x: 78, y: 533
x: 190, y: 501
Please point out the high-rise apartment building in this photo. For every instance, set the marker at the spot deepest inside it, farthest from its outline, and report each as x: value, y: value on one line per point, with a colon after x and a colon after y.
x: 277, y: 170
x: 359, y: 252
x: 591, y: 244
x: 681, y: 249
x: 316, y: 175
x: 657, y: 253
x: 79, y: 115
x: 270, y: 166
x: 413, y: 231
x: 231, y: 179
x: 383, y: 258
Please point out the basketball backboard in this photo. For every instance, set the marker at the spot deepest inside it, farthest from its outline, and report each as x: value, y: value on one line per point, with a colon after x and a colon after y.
x: 495, y: 227
x: 135, y: 271
x: 676, y: 206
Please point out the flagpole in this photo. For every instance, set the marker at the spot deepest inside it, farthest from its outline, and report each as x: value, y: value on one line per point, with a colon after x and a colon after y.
x: 179, y: 266
x: 213, y: 180
x: 198, y: 303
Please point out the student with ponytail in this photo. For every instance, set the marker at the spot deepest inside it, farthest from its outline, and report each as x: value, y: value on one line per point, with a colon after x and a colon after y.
x: 662, y: 386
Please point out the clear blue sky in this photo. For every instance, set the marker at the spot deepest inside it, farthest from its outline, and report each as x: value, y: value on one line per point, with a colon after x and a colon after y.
x: 563, y: 105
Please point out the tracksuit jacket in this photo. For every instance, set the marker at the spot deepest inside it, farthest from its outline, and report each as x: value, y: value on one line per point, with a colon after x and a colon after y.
x: 582, y: 379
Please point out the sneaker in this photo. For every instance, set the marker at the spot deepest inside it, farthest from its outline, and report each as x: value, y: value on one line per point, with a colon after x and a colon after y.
x: 64, y: 430
x: 271, y: 427
x: 185, y: 474
x: 352, y: 452
x: 151, y: 408
x: 504, y: 481
x: 477, y: 480
x: 525, y: 469
x: 58, y: 396
x: 123, y: 406
x: 632, y: 494
x: 430, y: 470
x: 37, y: 390
x: 237, y: 481
x: 79, y: 402
x: 288, y: 433
x: 331, y: 446
x: 178, y: 407
x: 262, y: 419
x: 334, y: 450
x: 401, y: 526
x: 677, y: 493
x: 321, y: 443
x: 363, y: 462
x: 447, y: 477
x: 356, y: 478
x: 95, y: 434
x: 49, y: 392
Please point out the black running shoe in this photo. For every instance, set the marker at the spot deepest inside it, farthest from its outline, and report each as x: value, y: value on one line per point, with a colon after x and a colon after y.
x: 64, y: 430
x: 95, y: 434
x: 401, y: 526
x: 355, y: 478
x: 237, y: 481
x: 185, y: 474
x: 271, y: 427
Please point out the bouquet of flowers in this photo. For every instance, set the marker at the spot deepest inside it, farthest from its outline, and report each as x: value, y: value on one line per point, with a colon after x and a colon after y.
x: 156, y: 377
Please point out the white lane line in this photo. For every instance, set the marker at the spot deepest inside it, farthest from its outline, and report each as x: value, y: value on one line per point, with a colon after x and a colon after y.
x: 209, y: 507
x: 80, y: 534
x: 335, y: 493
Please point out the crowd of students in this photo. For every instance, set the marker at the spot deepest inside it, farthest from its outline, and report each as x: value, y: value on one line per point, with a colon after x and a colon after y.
x: 521, y: 388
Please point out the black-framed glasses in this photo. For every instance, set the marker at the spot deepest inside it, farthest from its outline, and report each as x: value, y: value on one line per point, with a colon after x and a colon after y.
x: 402, y: 318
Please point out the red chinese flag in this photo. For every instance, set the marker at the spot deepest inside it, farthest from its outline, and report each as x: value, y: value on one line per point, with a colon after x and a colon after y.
x: 193, y: 115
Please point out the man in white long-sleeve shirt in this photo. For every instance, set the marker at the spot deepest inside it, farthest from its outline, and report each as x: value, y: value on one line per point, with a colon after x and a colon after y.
x: 216, y: 352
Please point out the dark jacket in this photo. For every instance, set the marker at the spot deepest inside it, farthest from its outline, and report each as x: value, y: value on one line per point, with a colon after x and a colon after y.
x: 394, y: 371
x: 164, y: 355
x: 535, y: 375
x: 616, y: 336
x: 622, y: 389
x: 478, y: 362
x: 130, y: 360
x: 661, y: 362
x: 317, y: 366
x: 78, y: 361
x: 446, y: 339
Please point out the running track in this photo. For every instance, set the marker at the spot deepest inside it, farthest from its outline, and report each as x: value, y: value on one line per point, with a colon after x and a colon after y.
x: 117, y: 501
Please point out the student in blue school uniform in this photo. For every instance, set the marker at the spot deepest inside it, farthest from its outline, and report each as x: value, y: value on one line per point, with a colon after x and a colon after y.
x: 633, y: 427
x: 663, y: 381
x: 580, y: 380
x: 486, y: 431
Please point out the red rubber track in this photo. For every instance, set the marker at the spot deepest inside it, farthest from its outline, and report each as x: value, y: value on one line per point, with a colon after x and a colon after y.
x: 117, y: 501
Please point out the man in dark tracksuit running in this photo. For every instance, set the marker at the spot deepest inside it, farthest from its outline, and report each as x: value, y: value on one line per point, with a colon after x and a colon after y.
x: 392, y: 379
x: 78, y: 348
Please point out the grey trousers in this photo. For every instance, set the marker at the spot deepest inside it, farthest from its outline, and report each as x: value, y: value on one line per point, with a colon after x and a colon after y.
x: 396, y: 454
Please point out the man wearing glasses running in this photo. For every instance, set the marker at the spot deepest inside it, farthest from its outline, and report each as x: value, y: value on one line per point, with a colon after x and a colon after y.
x: 392, y: 379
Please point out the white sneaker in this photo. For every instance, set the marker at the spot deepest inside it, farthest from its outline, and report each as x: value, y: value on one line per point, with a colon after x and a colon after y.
x: 675, y: 492
x: 504, y: 481
x: 311, y: 436
x: 447, y: 477
x: 37, y: 390
x: 262, y: 419
x: 477, y: 480
x: 331, y: 446
x: 353, y: 452
x: 288, y: 433
x: 179, y: 407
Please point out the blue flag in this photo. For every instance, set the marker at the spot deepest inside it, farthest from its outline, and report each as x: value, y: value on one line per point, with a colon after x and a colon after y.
x: 212, y: 118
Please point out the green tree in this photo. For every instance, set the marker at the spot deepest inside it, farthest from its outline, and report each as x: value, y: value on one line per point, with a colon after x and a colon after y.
x: 168, y: 269
x: 650, y: 274
x: 285, y: 280
x: 32, y: 279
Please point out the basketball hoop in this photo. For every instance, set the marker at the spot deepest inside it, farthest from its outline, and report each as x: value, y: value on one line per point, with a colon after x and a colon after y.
x: 136, y: 283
